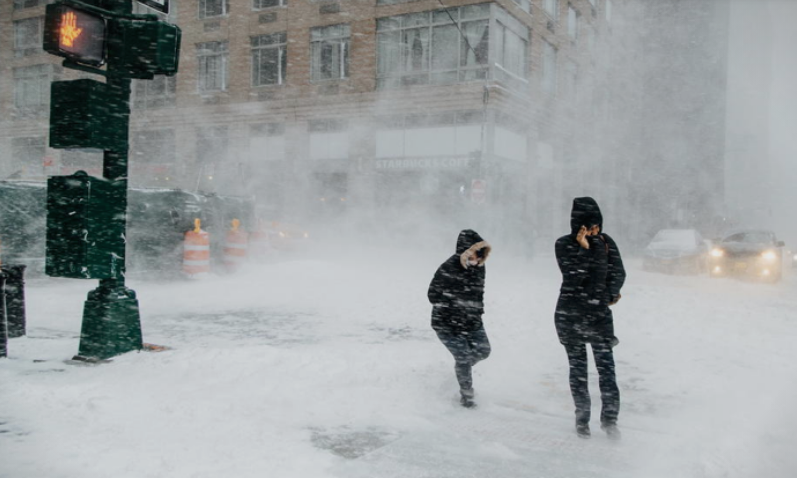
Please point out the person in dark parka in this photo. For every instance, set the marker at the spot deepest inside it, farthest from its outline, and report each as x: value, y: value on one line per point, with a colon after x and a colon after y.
x: 592, y: 276
x: 457, y: 296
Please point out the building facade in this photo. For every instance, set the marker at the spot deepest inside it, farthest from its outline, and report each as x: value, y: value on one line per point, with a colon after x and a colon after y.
x: 493, y: 112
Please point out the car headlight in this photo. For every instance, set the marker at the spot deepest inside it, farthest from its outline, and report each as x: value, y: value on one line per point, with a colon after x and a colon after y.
x: 769, y: 255
x: 717, y: 252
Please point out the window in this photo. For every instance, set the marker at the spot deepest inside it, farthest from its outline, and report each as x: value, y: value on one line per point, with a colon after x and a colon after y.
x: 551, y: 7
x: 269, y: 59
x: 160, y: 91
x: 28, y: 154
x: 572, y: 23
x: 28, y: 36
x: 23, y: 4
x: 212, y: 73
x: 510, y: 51
x: 549, y: 68
x: 213, y: 8
x: 262, y: 4
x: 439, y: 47
x: 32, y: 87
x: 330, y: 52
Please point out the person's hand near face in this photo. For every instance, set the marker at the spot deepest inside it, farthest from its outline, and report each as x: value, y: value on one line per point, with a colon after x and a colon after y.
x: 581, y: 237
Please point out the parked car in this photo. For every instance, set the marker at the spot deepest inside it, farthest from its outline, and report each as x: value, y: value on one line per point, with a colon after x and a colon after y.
x: 676, y: 251
x: 754, y: 254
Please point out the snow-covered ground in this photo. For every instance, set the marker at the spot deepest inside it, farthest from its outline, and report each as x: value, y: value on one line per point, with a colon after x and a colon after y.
x: 326, y: 367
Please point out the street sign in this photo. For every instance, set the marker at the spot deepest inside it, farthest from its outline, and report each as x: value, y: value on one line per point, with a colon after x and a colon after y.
x: 159, y: 5
x: 478, y: 191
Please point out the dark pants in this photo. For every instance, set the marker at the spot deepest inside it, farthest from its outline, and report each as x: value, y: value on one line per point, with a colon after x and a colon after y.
x: 468, y: 348
x: 610, y: 394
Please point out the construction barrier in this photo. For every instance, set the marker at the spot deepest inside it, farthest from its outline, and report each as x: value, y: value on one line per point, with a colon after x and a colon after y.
x: 236, y: 247
x: 196, y: 251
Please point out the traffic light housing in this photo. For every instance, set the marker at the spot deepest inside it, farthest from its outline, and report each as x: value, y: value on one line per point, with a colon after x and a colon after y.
x: 134, y: 46
x: 144, y: 49
x: 74, y: 33
x: 85, y: 227
x: 86, y: 114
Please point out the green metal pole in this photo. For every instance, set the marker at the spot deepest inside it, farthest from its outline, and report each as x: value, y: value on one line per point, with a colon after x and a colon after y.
x: 111, y: 318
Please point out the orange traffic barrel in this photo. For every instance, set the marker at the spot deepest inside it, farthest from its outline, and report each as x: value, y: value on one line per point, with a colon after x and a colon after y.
x: 196, y: 251
x: 236, y: 246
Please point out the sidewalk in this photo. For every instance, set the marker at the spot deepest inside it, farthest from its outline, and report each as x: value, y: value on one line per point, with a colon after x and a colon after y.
x: 330, y: 370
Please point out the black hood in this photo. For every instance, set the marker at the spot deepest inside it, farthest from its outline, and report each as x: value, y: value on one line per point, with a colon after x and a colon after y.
x: 467, y: 239
x: 585, y: 213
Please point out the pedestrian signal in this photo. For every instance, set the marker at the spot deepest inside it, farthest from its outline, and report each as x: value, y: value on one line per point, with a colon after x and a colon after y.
x: 75, y: 34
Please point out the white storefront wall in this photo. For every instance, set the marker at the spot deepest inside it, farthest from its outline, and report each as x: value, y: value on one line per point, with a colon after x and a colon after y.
x: 510, y: 145
x: 267, y: 148
x: 334, y: 145
x: 423, y: 142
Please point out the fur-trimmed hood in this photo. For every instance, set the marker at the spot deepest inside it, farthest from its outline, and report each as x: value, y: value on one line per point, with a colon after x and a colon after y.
x: 470, y: 244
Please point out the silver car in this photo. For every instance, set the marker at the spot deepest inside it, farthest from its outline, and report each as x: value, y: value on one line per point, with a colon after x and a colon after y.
x: 676, y: 251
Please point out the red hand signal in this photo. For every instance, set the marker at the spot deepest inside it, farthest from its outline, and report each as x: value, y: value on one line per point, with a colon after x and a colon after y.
x: 69, y: 29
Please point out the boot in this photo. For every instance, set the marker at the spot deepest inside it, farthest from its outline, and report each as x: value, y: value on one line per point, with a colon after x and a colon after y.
x: 466, y: 399
x: 611, y: 430
x: 582, y: 430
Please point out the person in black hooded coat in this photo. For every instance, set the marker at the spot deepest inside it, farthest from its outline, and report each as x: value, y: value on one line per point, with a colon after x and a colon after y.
x: 592, y: 276
x: 457, y: 296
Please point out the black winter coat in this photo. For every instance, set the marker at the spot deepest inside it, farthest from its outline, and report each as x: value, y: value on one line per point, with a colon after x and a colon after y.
x: 457, y: 289
x: 591, y: 279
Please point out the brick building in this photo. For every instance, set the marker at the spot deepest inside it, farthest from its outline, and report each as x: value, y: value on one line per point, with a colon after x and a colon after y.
x: 318, y: 107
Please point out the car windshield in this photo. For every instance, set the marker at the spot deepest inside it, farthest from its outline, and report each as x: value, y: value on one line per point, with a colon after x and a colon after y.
x: 750, y: 237
x: 675, y: 237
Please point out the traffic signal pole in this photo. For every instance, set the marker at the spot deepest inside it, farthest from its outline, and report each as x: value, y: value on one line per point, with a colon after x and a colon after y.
x: 86, y: 217
x: 111, y: 317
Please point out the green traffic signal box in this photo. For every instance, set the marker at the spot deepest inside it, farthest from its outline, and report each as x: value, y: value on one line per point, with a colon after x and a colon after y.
x: 87, y: 114
x: 85, y: 227
x: 143, y: 49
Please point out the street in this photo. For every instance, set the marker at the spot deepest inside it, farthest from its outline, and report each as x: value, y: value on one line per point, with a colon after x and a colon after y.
x: 326, y: 366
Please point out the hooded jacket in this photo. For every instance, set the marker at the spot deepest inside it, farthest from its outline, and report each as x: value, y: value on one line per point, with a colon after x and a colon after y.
x: 457, y: 288
x: 591, y: 278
